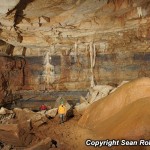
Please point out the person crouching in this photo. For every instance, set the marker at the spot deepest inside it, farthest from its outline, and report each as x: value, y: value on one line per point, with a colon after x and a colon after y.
x: 62, y: 112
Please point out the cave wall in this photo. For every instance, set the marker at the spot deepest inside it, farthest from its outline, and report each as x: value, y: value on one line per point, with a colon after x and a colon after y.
x: 109, y: 69
x: 64, y: 30
x: 11, y: 77
x: 122, y: 55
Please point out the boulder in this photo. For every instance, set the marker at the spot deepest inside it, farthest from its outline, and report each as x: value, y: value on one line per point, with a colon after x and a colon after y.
x: 6, y: 115
x: 98, y: 92
x: 4, y: 111
x: 93, y: 96
x: 37, y: 119
x: 82, y: 99
x: 16, y: 134
x: 51, y: 112
x: 82, y: 107
x: 9, y: 133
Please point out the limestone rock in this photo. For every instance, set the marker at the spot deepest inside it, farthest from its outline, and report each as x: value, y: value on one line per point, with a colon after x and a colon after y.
x: 17, y: 135
x: 7, y: 5
x: 98, y: 92
x: 37, y: 119
x: 82, y: 99
x: 4, y: 111
x: 122, y: 83
x: 82, y: 107
x: 51, y: 112
x: 9, y: 134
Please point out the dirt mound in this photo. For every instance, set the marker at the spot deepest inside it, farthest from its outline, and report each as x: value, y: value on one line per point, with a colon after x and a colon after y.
x: 131, y: 122
x: 121, y: 113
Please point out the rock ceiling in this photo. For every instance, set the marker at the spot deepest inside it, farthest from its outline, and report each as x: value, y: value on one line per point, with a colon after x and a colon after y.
x: 57, y: 23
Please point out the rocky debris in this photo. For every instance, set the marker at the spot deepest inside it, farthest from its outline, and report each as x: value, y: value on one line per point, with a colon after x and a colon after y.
x: 98, y: 92
x: 118, y: 105
x: 16, y: 134
x: 36, y: 119
x: 82, y: 99
x: 81, y: 107
x: 6, y: 115
x: 4, y: 111
x: 65, y: 30
x: 45, y: 144
x: 52, y: 112
x: 122, y: 83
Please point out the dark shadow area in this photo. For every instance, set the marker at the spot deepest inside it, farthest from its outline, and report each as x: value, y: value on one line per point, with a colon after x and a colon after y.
x: 19, y: 11
x: 69, y: 114
x: 24, y: 51
x: 10, y: 50
x: 1, y: 145
x: 53, y: 142
x: 19, y: 16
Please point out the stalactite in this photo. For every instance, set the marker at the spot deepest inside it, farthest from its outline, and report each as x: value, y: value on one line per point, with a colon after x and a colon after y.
x: 86, y: 49
x: 75, y: 47
x: 92, y: 59
x: 94, y: 54
x: 139, y: 11
x: 49, y: 70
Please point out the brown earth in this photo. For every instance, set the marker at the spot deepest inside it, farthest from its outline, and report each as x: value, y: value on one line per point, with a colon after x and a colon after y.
x: 115, y: 102
x: 70, y: 136
x: 67, y: 136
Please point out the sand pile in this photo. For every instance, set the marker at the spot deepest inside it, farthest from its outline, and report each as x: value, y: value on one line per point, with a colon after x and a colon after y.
x: 123, y: 114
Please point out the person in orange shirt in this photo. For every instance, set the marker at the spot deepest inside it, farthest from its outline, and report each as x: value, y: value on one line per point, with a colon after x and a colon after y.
x: 62, y: 112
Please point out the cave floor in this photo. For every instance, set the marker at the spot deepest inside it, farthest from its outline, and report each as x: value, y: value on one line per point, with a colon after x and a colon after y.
x: 67, y: 135
x: 70, y: 136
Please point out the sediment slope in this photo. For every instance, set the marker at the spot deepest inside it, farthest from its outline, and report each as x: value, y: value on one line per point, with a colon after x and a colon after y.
x: 122, y: 114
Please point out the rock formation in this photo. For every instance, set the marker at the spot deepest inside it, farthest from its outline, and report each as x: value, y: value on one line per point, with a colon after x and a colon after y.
x: 89, y: 43
x: 122, y: 114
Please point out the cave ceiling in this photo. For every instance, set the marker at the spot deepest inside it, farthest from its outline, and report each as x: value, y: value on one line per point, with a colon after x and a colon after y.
x: 59, y: 23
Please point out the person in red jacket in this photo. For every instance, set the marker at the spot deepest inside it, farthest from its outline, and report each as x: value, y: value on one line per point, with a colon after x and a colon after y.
x: 43, y: 107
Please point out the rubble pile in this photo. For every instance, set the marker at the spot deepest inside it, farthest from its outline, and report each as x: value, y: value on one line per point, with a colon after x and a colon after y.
x: 94, y: 94
x: 6, y: 115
